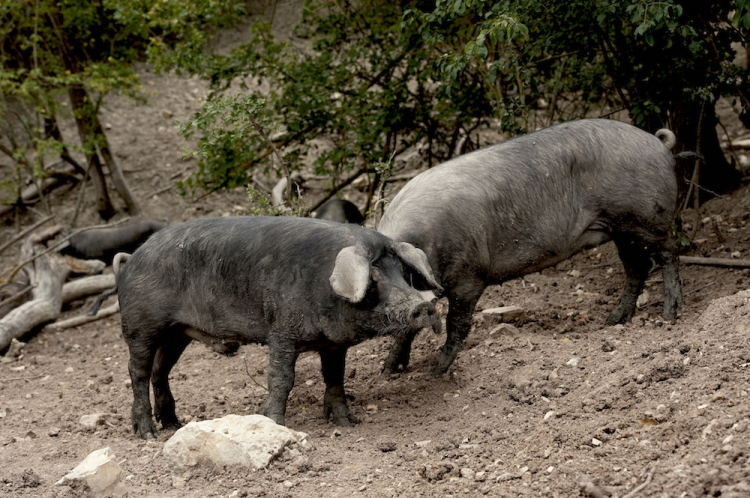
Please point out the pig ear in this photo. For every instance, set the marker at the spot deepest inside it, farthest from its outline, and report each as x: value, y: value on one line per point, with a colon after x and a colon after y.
x: 416, y: 259
x: 351, y: 274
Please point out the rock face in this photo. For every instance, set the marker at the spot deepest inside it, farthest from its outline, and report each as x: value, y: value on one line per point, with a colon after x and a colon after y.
x: 99, y: 473
x: 250, y: 440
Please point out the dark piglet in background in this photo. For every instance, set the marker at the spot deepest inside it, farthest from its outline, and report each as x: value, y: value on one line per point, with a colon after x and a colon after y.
x: 103, y: 243
x: 294, y: 284
x: 341, y: 211
x: 528, y: 203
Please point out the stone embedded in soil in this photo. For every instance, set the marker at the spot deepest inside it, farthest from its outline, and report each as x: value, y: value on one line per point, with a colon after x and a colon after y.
x: 100, y: 473
x: 503, y: 314
x: 249, y: 441
x: 504, y: 329
x: 91, y: 422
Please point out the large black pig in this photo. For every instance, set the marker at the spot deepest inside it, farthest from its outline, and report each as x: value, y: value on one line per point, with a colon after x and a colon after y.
x: 294, y: 284
x: 528, y: 203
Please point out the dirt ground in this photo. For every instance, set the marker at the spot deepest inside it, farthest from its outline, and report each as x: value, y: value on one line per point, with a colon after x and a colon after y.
x: 536, y: 409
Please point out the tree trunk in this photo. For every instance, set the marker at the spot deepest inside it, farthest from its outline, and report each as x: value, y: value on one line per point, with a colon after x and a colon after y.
x: 83, y: 112
x: 715, y: 176
x: 121, y: 185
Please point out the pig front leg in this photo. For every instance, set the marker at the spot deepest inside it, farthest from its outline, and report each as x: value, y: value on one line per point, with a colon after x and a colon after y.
x: 282, y: 359
x: 400, y: 354
x: 332, y: 364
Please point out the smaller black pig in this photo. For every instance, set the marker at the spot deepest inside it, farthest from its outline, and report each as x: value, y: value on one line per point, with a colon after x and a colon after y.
x: 341, y: 211
x: 103, y: 243
x: 294, y: 284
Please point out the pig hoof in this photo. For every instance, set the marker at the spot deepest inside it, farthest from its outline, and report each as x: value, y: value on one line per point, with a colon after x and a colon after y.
x: 172, y: 426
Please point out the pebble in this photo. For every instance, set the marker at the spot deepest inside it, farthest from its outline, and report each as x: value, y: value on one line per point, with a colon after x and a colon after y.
x: 288, y: 484
x: 573, y: 362
x: 69, y: 370
x: 467, y: 473
x: 387, y: 446
x: 595, y: 442
x: 549, y: 414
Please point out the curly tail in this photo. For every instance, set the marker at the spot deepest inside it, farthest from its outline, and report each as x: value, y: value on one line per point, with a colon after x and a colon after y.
x: 117, y: 263
x: 667, y: 138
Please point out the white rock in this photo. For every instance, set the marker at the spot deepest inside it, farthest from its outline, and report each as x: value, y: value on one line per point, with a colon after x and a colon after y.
x: 573, y: 362
x: 548, y: 414
x: 90, y: 422
x: 596, y: 442
x: 250, y: 440
x: 100, y: 472
x: 503, y: 314
x: 574, y: 273
x: 643, y: 299
x: 467, y: 473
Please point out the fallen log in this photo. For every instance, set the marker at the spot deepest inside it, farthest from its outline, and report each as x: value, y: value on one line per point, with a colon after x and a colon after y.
x: 82, y: 319
x: 46, y: 274
x: 86, y: 286
x: 725, y: 262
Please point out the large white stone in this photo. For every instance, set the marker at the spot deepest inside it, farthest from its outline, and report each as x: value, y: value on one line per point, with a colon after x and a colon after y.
x: 100, y: 473
x: 250, y: 440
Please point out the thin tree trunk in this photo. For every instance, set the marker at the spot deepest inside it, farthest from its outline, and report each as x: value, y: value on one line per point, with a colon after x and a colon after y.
x: 717, y: 176
x: 83, y: 112
x: 121, y: 185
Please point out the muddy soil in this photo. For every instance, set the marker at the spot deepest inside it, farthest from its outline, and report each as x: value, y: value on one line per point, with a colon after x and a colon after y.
x: 540, y: 408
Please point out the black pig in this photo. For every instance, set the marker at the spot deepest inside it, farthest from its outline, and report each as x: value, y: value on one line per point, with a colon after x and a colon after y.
x: 528, y: 203
x: 340, y: 210
x: 103, y: 243
x: 294, y: 284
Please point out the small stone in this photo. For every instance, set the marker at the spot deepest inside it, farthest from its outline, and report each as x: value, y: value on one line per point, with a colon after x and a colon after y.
x: 54, y: 432
x: 550, y: 469
x: 574, y: 273
x: 736, y: 254
x: 549, y: 414
x: 362, y: 488
x: 90, y: 422
x: 596, y: 442
x: 69, y: 370
x: 503, y: 314
x: 467, y: 473
x: 573, y: 362
x: 424, y: 443
x: 371, y: 408
x: 523, y: 470
x: 643, y: 299
x: 717, y: 396
x: 288, y: 484
x: 310, y: 382
x: 335, y: 433
x: 166, y: 113
x: 480, y: 476
x: 505, y: 329
x: 728, y: 439
x: 100, y: 473
x: 387, y: 446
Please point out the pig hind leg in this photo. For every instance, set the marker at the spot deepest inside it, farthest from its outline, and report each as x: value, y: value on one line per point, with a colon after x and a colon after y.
x: 333, y: 364
x: 166, y: 357
x: 636, y: 260
x: 461, y: 303
x: 669, y: 261
x: 139, y: 366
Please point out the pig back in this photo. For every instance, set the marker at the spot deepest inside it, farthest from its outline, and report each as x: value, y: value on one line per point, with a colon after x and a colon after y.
x: 534, y: 196
x: 237, y: 276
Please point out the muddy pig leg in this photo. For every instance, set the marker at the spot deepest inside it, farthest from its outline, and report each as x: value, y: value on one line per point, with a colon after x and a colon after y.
x: 636, y: 262
x: 166, y: 357
x: 333, y: 364
x: 400, y: 354
x: 670, y: 264
x: 282, y: 359
x: 461, y: 303
x: 139, y: 366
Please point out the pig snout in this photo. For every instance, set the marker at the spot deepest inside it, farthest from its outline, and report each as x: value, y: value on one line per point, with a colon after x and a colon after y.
x: 423, y: 315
